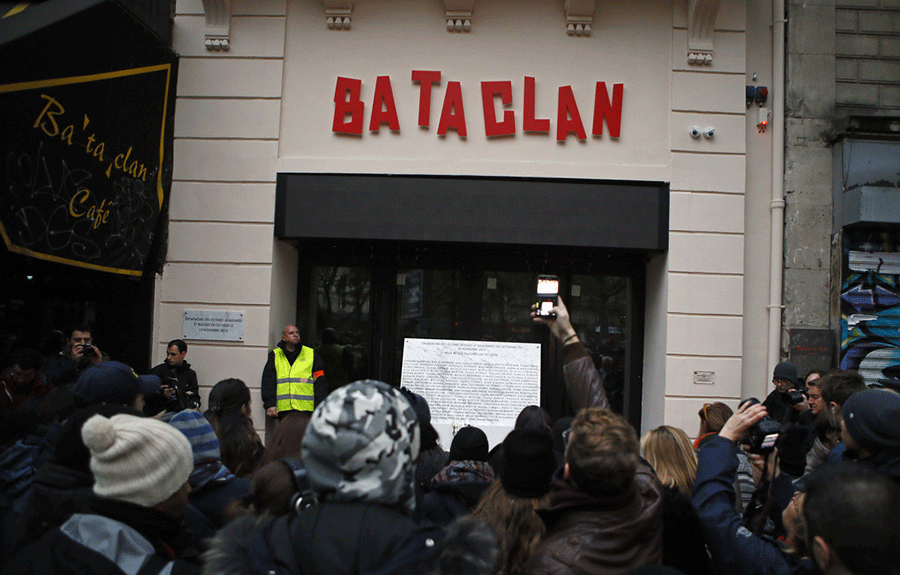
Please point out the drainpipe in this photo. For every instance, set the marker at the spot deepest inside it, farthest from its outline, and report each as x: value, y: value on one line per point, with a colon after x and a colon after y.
x: 777, y: 204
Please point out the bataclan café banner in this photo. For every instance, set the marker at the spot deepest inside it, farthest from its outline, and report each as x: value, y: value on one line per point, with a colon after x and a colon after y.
x: 86, y: 149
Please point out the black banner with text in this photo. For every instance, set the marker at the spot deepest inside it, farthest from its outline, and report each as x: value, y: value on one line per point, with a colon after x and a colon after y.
x: 86, y: 115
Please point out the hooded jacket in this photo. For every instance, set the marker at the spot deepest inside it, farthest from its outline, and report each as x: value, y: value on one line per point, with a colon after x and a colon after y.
x: 111, y: 537
x: 606, y: 535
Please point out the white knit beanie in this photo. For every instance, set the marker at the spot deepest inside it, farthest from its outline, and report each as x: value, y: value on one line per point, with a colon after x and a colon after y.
x: 137, y: 459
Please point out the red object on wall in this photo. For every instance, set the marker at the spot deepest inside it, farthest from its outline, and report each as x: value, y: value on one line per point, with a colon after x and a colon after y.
x: 426, y: 79
x: 612, y: 113
x: 453, y: 115
x: 384, y: 111
x: 530, y: 123
x: 567, y: 107
x: 491, y: 126
x: 347, y: 102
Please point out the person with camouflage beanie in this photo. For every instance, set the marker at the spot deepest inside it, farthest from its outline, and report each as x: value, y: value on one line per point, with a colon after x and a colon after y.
x: 359, y: 452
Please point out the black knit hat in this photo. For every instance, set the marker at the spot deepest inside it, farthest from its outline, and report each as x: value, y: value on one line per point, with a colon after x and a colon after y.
x: 418, y: 403
x: 785, y: 370
x: 528, y: 463
x: 469, y: 444
x: 871, y: 418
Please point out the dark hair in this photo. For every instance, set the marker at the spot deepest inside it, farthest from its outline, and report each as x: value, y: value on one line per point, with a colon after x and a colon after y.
x: 27, y: 358
x: 180, y: 343
x: 837, y: 386
x: 824, y: 425
x: 854, y: 509
x: 287, y: 439
x: 329, y: 336
x: 820, y: 372
x: 534, y: 417
x: 78, y: 327
x: 240, y: 444
x: 430, y: 437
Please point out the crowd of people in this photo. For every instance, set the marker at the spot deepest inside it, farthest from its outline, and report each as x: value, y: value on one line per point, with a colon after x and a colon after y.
x: 106, y: 471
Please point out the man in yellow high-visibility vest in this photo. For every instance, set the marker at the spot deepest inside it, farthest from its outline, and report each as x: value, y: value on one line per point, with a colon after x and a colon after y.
x: 294, y: 377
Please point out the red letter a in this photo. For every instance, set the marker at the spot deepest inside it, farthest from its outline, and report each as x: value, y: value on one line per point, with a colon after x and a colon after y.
x: 384, y: 98
x: 566, y: 107
x: 453, y: 115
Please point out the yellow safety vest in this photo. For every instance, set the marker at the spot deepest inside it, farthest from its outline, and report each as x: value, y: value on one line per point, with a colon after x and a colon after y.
x: 294, y: 389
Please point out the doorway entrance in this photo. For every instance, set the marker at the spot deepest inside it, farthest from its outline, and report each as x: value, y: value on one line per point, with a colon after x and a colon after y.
x: 374, y: 294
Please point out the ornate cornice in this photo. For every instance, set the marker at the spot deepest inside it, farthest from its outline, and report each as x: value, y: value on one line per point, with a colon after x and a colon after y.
x: 579, y: 17
x: 218, y: 24
x: 337, y: 14
x: 701, y: 25
x: 459, y: 15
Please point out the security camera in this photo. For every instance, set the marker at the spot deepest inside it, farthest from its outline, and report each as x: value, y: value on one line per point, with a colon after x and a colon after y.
x: 708, y: 133
x: 695, y: 131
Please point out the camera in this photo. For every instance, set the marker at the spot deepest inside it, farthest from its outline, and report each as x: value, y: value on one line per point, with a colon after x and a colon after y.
x: 793, y: 397
x: 180, y: 401
x: 761, y: 437
x: 547, y: 295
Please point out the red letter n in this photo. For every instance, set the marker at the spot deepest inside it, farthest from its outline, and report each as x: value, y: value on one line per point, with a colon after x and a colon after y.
x: 612, y: 113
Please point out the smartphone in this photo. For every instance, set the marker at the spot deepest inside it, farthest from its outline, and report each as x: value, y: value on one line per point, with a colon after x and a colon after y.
x: 547, y: 295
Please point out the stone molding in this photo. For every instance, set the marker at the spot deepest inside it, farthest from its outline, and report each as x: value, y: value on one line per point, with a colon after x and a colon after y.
x: 459, y: 15
x: 338, y: 14
x: 218, y: 24
x: 701, y: 25
x: 579, y: 17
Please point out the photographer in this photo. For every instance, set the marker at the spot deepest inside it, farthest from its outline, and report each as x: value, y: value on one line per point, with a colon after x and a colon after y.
x: 180, y: 389
x: 734, y: 549
x: 81, y: 353
x: 787, y: 401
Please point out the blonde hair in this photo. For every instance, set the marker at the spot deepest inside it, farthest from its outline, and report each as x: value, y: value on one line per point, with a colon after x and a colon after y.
x: 669, y: 452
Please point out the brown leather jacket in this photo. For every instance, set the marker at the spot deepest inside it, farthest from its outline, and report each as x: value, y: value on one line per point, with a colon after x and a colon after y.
x: 599, y: 535
x: 583, y: 383
x: 609, y: 535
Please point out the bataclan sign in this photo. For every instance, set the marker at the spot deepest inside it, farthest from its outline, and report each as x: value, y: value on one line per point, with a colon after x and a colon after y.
x: 349, y: 109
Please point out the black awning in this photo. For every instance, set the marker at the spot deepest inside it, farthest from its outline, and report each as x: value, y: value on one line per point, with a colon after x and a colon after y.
x: 532, y: 211
x: 87, y: 96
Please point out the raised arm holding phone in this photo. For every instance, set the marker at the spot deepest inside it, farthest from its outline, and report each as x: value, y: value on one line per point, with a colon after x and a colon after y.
x: 583, y: 383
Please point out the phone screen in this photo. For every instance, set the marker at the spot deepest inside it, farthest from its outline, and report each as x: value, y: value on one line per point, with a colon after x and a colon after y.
x: 547, y: 292
x: 548, y: 286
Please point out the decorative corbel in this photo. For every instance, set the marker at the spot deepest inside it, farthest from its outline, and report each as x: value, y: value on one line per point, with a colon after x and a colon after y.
x: 459, y: 15
x: 579, y: 17
x: 337, y: 14
x: 218, y: 24
x: 701, y: 25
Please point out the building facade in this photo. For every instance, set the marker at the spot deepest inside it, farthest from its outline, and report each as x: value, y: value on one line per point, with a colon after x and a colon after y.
x: 841, y: 183
x: 333, y: 158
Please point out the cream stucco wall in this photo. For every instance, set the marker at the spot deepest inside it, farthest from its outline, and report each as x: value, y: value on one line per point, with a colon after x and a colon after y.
x: 265, y: 106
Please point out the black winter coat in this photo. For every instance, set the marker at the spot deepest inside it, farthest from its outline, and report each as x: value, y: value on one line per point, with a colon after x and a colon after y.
x: 331, y: 538
x: 107, y: 532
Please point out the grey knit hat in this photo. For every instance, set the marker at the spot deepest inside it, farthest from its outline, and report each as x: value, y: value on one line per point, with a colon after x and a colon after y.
x: 136, y: 459
x: 362, y: 444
